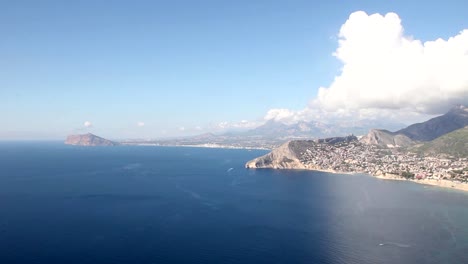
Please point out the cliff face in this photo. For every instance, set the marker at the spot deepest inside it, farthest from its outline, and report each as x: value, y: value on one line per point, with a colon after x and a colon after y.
x: 88, y: 140
x: 292, y: 155
x: 282, y: 157
x: 386, y: 138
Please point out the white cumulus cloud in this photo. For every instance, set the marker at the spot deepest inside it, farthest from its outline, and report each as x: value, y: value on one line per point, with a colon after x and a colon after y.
x: 387, y: 74
x: 280, y: 114
x: 288, y: 116
x: 385, y: 69
x: 87, y: 124
x: 241, y: 125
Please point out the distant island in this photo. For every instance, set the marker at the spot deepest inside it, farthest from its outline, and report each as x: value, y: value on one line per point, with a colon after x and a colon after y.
x: 89, y: 140
x: 433, y: 152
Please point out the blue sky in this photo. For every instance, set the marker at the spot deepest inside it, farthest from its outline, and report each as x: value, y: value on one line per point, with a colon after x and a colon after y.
x: 180, y: 67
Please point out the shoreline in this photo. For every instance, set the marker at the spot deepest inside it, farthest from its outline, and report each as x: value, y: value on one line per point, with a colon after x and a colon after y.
x: 442, y: 183
x: 212, y: 146
x: 446, y: 184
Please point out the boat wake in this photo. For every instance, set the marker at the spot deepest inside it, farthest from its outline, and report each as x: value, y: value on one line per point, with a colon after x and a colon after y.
x: 400, y: 245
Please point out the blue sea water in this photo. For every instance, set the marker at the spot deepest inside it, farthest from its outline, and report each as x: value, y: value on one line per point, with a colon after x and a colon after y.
x: 64, y: 204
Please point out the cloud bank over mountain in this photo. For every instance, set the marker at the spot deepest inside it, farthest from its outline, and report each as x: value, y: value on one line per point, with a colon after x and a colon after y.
x: 387, y: 74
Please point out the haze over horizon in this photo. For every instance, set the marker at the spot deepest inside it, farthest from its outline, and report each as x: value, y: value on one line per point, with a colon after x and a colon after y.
x: 172, y: 69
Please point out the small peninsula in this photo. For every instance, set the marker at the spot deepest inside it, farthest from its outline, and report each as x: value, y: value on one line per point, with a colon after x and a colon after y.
x: 434, y: 152
x: 349, y: 155
x: 89, y: 139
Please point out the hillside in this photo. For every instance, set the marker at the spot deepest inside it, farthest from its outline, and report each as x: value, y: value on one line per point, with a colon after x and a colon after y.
x: 315, y: 129
x: 455, y: 119
x: 88, y: 140
x: 385, y: 138
x: 283, y: 157
x: 452, y: 144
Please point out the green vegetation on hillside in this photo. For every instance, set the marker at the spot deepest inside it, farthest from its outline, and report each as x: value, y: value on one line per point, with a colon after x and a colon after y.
x: 452, y: 144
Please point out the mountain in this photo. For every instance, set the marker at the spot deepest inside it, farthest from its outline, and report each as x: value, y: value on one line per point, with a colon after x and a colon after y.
x: 89, y: 140
x: 283, y: 157
x: 274, y: 133
x: 455, y: 119
x: 315, y: 129
x: 278, y: 129
x: 270, y: 135
x: 386, y: 138
x: 454, y: 144
x: 426, y: 131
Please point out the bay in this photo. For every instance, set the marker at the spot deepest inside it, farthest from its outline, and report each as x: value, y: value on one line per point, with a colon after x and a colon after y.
x: 130, y: 204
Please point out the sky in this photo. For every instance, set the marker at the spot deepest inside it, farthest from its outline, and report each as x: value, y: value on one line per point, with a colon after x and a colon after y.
x: 151, y: 69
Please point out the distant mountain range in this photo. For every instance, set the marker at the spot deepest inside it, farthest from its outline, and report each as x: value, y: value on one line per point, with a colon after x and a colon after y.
x: 274, y: 133
x: 315, y: 129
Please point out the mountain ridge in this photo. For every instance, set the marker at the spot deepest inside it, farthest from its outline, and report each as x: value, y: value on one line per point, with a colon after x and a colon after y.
x: 435, y: 127
x: 453, y: 144
x: 385, y: 138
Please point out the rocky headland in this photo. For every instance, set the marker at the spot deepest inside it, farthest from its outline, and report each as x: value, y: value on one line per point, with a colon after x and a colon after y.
x: 353, y: 156
x: 89, y: 140
x: 442, y: 161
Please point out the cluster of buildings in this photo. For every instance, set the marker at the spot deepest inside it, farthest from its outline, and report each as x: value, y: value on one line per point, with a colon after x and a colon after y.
x: 355, y: 156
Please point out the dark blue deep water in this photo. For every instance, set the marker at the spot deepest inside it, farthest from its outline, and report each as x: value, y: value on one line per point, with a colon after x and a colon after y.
x: 63, y: 204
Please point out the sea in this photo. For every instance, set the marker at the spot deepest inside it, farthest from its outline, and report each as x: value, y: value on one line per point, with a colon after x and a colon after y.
x: 146, y: 205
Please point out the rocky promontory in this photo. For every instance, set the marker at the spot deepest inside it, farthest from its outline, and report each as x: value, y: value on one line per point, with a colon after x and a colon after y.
x: 349, y: 155
x: 282, y: 157
x: 291, y: 155
x: 89, y: 140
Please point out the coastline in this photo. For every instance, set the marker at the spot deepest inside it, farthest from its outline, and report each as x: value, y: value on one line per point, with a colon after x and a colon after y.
x: 447, y: 184
x: 460, y: 186
x: 213, y: 146
x: 216, y: 146
x: 433, y: 182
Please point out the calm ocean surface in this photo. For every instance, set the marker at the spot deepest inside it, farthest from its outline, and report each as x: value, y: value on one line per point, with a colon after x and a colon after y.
x: 63, y: 204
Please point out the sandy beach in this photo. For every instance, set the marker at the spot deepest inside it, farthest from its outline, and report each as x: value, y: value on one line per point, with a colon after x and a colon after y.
x: 387, y: 176
x: 439, y: 183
